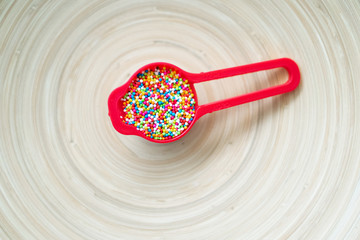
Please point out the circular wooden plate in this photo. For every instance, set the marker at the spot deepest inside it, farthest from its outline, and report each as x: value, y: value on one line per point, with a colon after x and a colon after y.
x: 286, y: 167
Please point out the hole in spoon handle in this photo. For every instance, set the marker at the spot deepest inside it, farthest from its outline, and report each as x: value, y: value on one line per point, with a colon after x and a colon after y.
x: 289, y: 85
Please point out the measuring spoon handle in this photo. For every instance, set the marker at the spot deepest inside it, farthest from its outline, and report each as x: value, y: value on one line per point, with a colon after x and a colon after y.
x: 292, y: 82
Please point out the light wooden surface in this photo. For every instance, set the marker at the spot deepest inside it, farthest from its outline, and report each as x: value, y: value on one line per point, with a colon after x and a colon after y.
x: 281, y: 168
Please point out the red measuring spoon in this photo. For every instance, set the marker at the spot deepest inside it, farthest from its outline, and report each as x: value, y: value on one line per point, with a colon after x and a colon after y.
x: 115, y: 105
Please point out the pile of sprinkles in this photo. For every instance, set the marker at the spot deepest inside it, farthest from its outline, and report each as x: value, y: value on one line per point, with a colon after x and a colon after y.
x: 159, y: 103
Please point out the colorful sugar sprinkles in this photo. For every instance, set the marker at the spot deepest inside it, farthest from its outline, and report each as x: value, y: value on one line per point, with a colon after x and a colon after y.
x: 159, y: 103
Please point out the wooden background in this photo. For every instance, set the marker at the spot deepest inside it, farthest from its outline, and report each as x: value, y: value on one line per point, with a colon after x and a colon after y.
x: 287, y: 167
